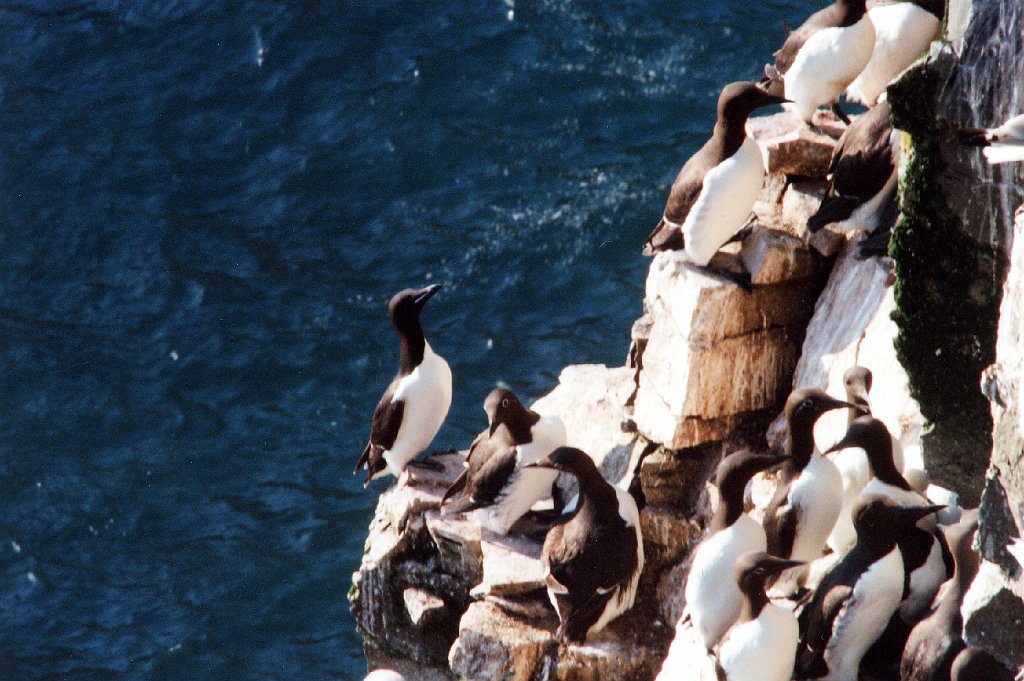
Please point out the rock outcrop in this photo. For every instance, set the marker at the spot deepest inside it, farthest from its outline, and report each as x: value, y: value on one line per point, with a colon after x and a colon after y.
x: 994, y: 607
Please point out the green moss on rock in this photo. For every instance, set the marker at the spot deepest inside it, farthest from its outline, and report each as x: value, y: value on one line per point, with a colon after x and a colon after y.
x: 948, y: 286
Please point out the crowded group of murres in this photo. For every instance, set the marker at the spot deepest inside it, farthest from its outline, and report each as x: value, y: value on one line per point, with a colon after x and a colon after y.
x: 866, y: 573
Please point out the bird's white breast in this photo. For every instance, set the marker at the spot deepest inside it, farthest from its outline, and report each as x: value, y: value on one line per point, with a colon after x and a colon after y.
x: 827, y: 62
x: 924, y: 584
x: 903, y: 31
x: 864, y: 616
x: 427, y: 392
x: 526, y: 486
x: 725, y: 201
x: 817, y: 494
x: 762, y: 649
x: 852, y: 463
x: 712, y: 597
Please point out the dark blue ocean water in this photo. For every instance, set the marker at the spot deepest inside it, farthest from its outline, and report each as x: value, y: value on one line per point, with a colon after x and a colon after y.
x: 204, y: 207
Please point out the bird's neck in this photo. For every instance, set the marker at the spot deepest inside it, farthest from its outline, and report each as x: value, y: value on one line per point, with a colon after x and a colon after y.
x: 754, y: 601
x: 413, y: 346
x: 730, y: 134
x: 730, y: 508
x: 883, y: 468
x: 799, y: 447
x: 520, y: 426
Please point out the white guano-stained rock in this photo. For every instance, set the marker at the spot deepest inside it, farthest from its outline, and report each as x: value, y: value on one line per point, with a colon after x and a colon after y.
x: 851, y: 325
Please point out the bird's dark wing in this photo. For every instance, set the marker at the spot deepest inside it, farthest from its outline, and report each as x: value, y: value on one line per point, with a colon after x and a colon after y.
x: 685, y: 189
x: 384, y: 427
x: 460, y: 482
x: 862, y: 163
x: 816, y: 627
x: 780, y: 520
x: 786, y: 55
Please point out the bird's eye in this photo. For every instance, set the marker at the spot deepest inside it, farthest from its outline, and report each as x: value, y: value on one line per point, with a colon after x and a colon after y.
x: 504, y: 403
x: 806, y: 404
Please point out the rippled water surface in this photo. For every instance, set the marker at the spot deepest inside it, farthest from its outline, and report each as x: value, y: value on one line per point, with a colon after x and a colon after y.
x: 204, y: 207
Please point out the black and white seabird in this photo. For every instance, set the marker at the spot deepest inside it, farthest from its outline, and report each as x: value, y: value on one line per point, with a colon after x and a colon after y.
x: 860, y: 593
x: 937, y: 639
x: 762, y: 644
x: 713, y: 599
x: 977, y: 664
x: 495, y: 484
x: 806, y: 503
x: 862, y: 175
x: 903, y: 32
x: 592, y: 562
x: 1004, y: 144
x: 822, y: 57
x: 714, y: 192
x: 416, y: 403
x: 852, y: 462
x: 926, y: 557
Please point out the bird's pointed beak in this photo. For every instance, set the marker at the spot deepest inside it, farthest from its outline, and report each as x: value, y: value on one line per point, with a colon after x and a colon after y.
x: 914, y: 513
x: 840, y: 404
x: 842, y: 444
x: 426, y: 294
x: 781, y: 565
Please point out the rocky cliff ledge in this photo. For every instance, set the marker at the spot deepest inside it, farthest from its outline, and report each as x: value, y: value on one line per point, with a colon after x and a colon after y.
x: 708, y: 366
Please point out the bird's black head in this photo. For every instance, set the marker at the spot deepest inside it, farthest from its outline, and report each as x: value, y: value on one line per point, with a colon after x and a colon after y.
x: 881, y: 519
x: 738, y: 100
x: 568, y: 460
x: 805, y: 406
x: 405, y: 306
x: 736, y: 470
x: 753, y: 570
x: 857, y: 381
x: 502, y: 407
x: 869, y: 434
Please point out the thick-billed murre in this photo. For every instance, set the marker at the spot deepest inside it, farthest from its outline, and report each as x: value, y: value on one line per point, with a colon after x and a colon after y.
x: 714, y: 192
x: 416, y: 402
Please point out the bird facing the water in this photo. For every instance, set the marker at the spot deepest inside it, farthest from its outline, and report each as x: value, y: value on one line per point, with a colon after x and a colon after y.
x: 416, y: 402
x: 714, y: 192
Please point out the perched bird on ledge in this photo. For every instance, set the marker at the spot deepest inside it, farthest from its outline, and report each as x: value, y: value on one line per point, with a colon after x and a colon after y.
x: 592, y: 561
x: 714, y: 192
x: 495, y: 485
x: 416, y: 403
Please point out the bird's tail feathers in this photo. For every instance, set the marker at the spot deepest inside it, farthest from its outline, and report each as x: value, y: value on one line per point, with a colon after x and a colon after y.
x: 665, y: 237
x: 975, y: 137
x: 832, y: 209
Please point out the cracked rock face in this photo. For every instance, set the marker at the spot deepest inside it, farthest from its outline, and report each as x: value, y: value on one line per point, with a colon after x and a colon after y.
x: 994, y: 609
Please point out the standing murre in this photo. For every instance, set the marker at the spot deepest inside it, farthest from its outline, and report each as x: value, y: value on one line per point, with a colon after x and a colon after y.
x: 862, y: 175
x: 1004, y: 144
x: 858, y: 595
x: 592, y: 561
x: 903, y: 32
x: 822, y: 57
x: 762, y: 644
x: 936, y: 640
x: 926, y: 557
x: 714, y: 192
x: 713, y: 598
x: 852, y: 462
x: 806, y: 503
x: 416, y: 403
x: 495, y: 484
